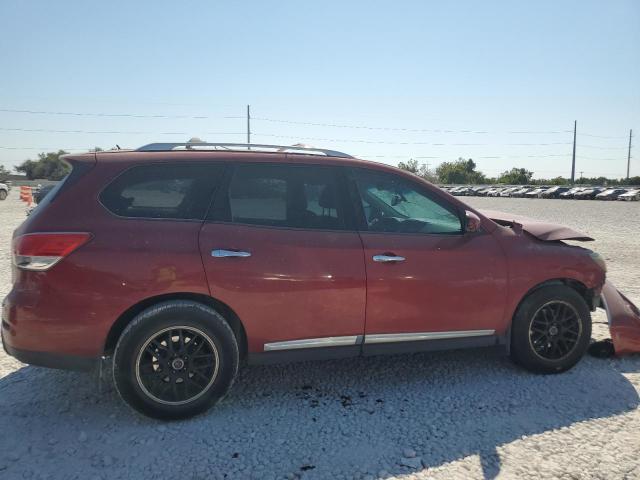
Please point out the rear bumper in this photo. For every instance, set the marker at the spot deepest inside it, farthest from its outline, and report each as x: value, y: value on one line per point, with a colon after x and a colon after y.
x: 624, y: 320
x: 50, y: 360
x: 32, y: 342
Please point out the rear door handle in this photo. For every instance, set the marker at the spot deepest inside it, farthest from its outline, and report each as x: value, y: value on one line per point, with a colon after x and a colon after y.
x: 229, y: 253
x: 388, y: 258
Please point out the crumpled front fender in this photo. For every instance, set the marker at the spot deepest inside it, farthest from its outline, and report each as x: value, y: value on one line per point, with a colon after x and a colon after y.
x: 624, y: 320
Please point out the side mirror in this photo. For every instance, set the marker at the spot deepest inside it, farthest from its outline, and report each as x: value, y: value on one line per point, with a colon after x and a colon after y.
x: 472, y: 222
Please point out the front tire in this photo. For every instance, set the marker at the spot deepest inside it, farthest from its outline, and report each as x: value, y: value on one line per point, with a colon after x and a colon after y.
x: 175, y: 360
x: 3, y: 194
x: 551, y: 330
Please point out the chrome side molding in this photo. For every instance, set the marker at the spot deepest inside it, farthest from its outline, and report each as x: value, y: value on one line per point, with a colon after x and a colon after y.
x: 352, y: 340
x: 312, y: 343
x: 414, y: 337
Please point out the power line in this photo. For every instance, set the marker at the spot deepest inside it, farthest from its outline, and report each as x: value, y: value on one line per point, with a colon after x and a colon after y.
x: 603, y: 148
x: 109, y: 132
x: 609, y: 159
x: 87, y: 114
x: 273, y: 120
x: 384, y: 142
x: 51, y: 149
x: 399, y: 129
x: 601, y: 136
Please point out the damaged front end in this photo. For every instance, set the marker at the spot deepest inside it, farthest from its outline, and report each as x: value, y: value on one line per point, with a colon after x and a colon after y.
x: 623, y: 315
x: 624, y: 320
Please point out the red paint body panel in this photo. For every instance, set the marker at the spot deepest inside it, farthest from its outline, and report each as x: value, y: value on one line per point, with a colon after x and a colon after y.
x: 532, y: 262
x: 70, y: 308
x: 297, y: 284
x: 624, y: 320
x: 541, y: 230
x: 438, y: 286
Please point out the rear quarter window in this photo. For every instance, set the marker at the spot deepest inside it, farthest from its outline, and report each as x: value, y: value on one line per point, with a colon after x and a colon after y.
x: 171, y: 191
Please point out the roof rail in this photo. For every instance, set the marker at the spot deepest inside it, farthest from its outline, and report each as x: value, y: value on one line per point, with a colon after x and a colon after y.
x: 166, y: 147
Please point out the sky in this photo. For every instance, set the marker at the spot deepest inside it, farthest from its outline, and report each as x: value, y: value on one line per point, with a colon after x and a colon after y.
x: 501, y: 82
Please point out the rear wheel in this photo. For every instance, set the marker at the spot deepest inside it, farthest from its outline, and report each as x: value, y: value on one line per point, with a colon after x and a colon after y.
x: 175, y: 360
x: 3, y: 194
x: 551, y: 330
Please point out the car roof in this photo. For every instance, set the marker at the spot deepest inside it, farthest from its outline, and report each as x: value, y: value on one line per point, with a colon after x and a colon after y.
x: 298, y: 155
x: 133, y: 156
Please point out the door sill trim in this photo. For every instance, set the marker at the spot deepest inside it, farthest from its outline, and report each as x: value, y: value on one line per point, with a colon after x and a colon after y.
x: 313, y: 343
x: 420, y: 336
x: 351, y: 340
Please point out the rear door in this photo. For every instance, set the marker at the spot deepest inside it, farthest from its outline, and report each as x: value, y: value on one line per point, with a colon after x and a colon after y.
x: 280, y: 250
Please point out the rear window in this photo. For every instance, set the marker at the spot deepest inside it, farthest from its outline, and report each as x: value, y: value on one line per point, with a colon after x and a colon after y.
x: 293, y: 196
x: 172, y: 191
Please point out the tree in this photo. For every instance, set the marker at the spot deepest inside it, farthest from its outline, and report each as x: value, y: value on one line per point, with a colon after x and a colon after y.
x: 516, y: 176
x: 410, y: 166
x: 631, y: 181
x: 48, y: 166
x: 460, y: 171
x: 4, y: 174
x: 420, y: 170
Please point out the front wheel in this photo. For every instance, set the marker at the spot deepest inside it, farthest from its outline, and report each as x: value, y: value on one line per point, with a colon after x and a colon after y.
x: 175, y: 360
x: 3, y: 194
x: 551, y: 330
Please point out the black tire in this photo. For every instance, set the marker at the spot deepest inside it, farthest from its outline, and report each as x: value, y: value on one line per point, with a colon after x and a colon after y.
x: 3, y: 194
x: 160, y: 340
x: 544, y: 345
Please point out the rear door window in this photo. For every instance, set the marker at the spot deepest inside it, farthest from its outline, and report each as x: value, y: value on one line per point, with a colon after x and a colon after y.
x: 294, y: 196
x: 172, y: 191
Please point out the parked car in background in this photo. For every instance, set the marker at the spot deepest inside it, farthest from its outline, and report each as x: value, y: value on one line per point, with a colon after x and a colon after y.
x: 461, y: 191
x: 210, y: 255
x: 630, y: 196
x: 476, y: 190
x: 520, y: 192
x: 611, y: 194
x: 4, y: 191
x: 508, y: 191
x: 42, y: 192
x: 588, y: 193
x: 535, y: 193
x: 570, y: 193
x: 496, y: 192
x: 553, y: 192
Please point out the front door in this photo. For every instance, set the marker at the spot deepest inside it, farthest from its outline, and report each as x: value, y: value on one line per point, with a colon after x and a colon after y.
x: 280, y: 252
x: 429, y: 284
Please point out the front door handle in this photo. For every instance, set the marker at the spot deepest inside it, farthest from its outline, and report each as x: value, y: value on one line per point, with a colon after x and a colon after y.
x: 229, y: 253
x: 388, y: 258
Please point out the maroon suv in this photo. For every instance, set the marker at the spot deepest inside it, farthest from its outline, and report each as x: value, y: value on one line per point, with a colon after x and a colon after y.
x: 180, y: 261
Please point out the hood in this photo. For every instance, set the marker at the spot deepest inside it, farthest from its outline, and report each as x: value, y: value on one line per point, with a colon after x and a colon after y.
x: 542, y: 230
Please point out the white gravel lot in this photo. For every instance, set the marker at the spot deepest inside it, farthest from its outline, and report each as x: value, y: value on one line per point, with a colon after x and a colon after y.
x: 469, y: 414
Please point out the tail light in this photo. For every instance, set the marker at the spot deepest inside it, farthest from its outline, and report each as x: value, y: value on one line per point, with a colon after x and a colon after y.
x: 41, y: 251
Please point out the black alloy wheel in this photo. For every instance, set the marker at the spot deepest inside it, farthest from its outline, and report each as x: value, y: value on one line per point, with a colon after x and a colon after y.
x: 177, y: 365
x: 555, y: 329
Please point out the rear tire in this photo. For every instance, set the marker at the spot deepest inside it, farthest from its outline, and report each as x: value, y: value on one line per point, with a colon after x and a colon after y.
x: 175, y: 360
x: 3, y: 194
x: 551, y: 330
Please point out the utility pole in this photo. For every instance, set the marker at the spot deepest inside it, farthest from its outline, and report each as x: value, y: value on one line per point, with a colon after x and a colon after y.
x: 629, y: 154
x: 249, y: 124
x: 573, y: 159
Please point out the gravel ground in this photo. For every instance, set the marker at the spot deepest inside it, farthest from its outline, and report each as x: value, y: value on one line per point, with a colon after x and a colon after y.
x: 469, y: 414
